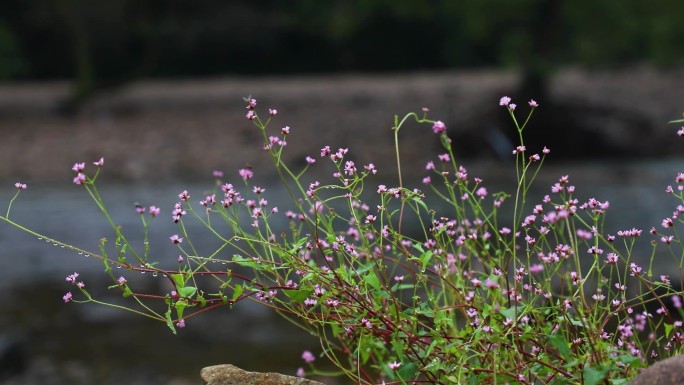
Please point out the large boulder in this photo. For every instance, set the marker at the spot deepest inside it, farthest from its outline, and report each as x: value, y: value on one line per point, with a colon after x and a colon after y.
x: 665, y: 372
x: 231, y: 375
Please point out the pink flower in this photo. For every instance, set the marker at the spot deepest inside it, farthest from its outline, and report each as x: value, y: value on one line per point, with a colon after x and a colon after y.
x: 512, y: 106
x: 491, y: 284
x: 121, y: 280
x: 366, y: 323
x: 80, y: 179
x: 332, y: 302
x: 67, y: 297
x: 394, y: 365
x: 310, y: 160
x: 180, y: 259
x: 217, y: 174
x: 681, y: 131
x: 349, y: 168
x: 180, y: 323
x: 308, y: 357
x: 519, y: 150
x: 99, y: 163
x: 78, y: 167
x: 611, y: 258
x: 154, y: 211
x: 439, y: 127
x: 250, y: 115
x: 272, y: 111
x: 20, y: 186
x: 481, y: 192
x: 574, y: 277
x: 300, y: 372
x: 246, y: 173
x: 504, y: 101
x: 285, y: 130
x: 175, y: 239
x: 325, y: 151
x: 533, y: 103
x: 595, y: 250
x: 72, y: 278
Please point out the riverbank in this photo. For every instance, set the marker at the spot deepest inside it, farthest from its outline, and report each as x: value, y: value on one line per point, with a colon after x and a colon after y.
x: 184, y: 129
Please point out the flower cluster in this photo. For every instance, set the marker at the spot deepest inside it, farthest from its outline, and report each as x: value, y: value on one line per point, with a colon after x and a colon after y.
x: 453, y: 284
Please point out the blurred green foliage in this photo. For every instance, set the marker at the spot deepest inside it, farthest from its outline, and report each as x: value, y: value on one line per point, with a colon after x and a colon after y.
x: 109, y: 41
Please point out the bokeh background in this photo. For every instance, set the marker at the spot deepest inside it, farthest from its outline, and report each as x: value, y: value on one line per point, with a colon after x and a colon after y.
x: 155, y: 87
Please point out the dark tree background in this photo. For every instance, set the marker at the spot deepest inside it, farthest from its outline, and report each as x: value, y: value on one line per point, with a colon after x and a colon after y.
x: 105, y: 43
x: 116, y: 40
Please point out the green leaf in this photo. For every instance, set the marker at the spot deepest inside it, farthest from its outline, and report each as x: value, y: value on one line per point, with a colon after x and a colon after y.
x: 180, y: 306
x: 169, y: 321
x: 179, y: 279
x: 425, y: 259
x: 509, y: 313
x: 237, y: 292
x: 127, y: 292
x: 372, y: 279
x: 105, y: 261
x: 402, y: 286
x: 559, y: 343
x: 247, y: 262
x: 628, y: 359
x: 668, y: 330
x: 407, y: 371
x: 298, y: 295
x: 398, y: 349
x: 187, y: 291
x: 593, y: 376
x: 419, y: 201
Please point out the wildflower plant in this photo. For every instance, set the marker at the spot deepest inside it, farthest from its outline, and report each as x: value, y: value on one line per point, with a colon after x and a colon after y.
x: 445, y: 283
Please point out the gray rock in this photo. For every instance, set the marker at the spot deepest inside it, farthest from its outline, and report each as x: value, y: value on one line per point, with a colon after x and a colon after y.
x: 665, y: 372
x: 231, y: 375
